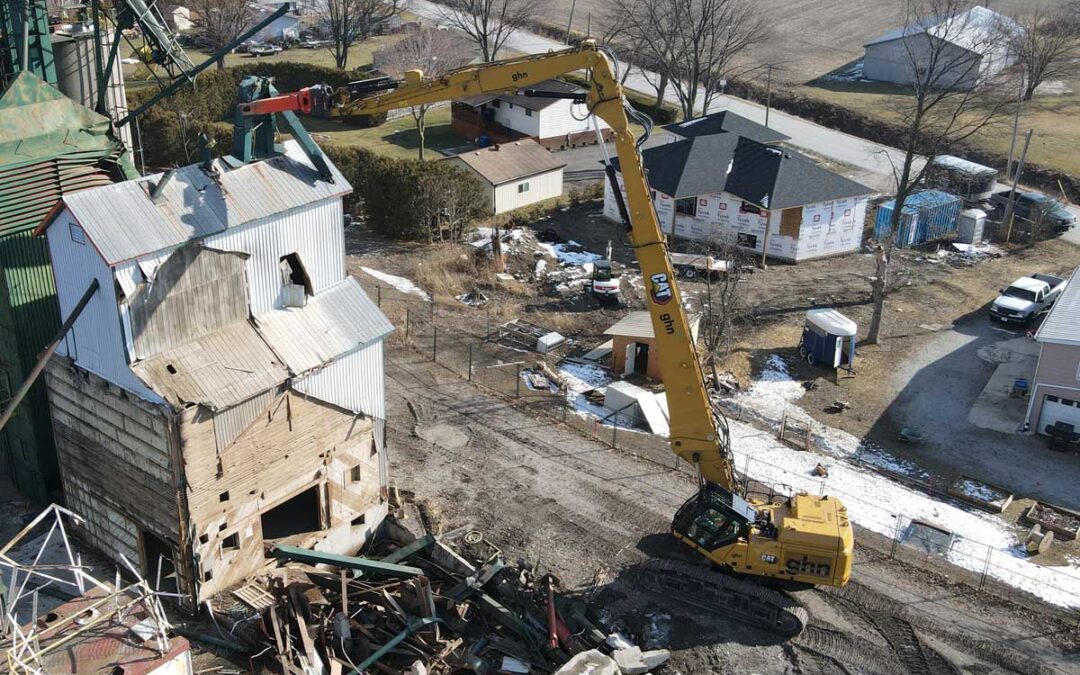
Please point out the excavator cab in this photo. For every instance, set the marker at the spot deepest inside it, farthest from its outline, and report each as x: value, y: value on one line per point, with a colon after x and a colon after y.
x: 713, y: 518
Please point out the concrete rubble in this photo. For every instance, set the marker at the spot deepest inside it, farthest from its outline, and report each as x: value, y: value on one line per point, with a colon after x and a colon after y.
x: 420, y: 605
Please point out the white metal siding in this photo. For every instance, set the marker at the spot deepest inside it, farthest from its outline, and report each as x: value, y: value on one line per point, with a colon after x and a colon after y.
x: 516, y: 119
x: 565, y: 117
x: 231, y: 422
x: 353, y: 381
x: 542, y: 186
x: 96, y: 341
x: 891, y: 61
x: 314, y: 232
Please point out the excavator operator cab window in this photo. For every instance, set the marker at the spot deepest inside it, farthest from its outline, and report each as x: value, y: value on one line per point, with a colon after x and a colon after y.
x: 712, y: 529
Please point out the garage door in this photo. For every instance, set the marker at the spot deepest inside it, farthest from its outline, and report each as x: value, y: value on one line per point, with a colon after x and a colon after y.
x: 1057, y: 409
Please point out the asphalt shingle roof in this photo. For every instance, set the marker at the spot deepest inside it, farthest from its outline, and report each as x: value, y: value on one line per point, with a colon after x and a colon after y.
x: 502, y: 163
x: 774, y: 178
x: 726, y: 122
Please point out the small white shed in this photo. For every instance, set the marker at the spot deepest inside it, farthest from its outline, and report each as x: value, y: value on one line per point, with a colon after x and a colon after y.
x: 514, y: 174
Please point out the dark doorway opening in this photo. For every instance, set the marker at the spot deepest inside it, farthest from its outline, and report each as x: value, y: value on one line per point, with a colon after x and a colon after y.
x: 293, y: 272
x: 641, y: 358
x: 160, y: 569
x: 294, y: 516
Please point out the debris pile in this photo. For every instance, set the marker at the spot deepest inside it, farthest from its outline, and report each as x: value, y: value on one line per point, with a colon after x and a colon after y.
x: 424, y: 607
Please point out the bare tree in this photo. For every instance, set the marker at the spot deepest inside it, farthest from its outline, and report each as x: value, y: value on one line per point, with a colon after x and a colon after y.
x: 490, y: 23
x: 221, y: 21
x: 950, y: 97
x: 722, y: 302
x: 435, y: 52
x: 1045, y: 41
x: 346, y: 22
x: 693, y: 44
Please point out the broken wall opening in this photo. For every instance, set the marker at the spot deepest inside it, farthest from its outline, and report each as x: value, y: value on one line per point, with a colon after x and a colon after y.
x: 158, y: 564
x: 298, y: 515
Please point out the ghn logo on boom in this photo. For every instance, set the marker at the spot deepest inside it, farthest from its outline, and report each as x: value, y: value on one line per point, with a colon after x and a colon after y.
x: 807, y: 566
x: 520, y: 75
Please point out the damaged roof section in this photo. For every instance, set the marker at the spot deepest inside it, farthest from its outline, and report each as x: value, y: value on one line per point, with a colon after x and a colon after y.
x: 217, y: 370
x: 332, y: 323
x: 123, y: 222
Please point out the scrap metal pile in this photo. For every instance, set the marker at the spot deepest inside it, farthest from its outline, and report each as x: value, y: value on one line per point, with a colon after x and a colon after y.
x: 422, y: 607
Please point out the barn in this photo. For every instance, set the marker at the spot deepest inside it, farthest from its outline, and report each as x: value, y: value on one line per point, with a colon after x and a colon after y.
x: 968, y: 45
x: 226, y: 367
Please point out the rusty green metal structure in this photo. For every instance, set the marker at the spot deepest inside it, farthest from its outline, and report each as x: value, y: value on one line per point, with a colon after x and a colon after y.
x: 49, y: 145
x: 26, y: 21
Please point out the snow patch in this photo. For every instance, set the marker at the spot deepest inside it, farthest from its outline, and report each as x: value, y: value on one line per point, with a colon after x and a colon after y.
x: 399, y: 283
x: 864, y: 492
x: 570, y: 253
x: 774, y: 392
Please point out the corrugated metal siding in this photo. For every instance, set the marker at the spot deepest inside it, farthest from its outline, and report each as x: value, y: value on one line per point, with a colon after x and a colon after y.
x: 333, y: 322
x: 313, y: 232
x: 31, y: 292
x: 124, y: 223
x: 96, y: 341
x: 231, y: 422
x: 354, y: 382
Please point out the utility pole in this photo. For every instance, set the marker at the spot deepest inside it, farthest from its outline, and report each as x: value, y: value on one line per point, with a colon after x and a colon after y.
x: 1016, y: 124
x: 588, y: 25
x: 768, y: 95
x: 1008, y: 218
x: 570, y: 22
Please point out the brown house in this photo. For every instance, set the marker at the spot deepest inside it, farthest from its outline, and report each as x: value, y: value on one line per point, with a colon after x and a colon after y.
x: 1055, y: 394
x: 633, y: 345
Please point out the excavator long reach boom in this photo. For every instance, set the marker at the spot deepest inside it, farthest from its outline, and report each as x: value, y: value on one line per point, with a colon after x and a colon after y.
x: 801, y: 539
x: 694, y: 435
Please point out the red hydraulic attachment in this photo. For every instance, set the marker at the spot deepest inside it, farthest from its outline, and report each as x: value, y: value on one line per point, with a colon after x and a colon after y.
x: 299, y: 101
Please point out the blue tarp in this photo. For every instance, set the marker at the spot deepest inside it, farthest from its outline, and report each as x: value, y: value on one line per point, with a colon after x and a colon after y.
x: 926, y: 216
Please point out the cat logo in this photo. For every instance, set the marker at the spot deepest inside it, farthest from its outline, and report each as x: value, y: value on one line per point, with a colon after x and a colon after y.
x: 661, y: 288
x: 769, y: 558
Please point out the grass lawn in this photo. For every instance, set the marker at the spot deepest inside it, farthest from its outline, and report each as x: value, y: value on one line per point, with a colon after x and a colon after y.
x: 397, y: 138
x: 359, y: 56
x: 1055, y: 119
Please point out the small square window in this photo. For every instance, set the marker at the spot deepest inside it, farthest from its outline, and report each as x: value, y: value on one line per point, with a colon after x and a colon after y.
x: 223, y: 497
x: 231, y: 542
x: 523, y: 187
x: 1052, y: 399
x: 207, y: 575
x: 723, y: 206
x: 354, y: 474
x: 528, y: 112
x: 78, y: 235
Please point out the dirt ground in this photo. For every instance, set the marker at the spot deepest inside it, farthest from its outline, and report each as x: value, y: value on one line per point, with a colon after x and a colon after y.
x: 591, y: 514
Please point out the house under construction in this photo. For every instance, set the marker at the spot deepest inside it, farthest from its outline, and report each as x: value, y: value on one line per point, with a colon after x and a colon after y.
x: 223, y: 388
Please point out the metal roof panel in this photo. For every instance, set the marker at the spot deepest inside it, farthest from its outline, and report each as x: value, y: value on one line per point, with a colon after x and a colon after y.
x: 333, y: 322
x: 1062, y: 324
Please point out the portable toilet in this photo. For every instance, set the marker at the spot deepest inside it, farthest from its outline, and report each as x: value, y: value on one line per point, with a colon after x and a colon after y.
x: 828, y: 338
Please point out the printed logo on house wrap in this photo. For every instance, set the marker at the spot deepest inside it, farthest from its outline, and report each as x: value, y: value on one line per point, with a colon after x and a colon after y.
x: 661, y: 288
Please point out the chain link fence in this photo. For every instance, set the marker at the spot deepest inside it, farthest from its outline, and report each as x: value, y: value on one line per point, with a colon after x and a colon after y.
x: 475, y: 356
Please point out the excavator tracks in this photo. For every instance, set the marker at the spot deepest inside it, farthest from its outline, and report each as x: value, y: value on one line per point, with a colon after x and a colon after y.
x: 742, y: 600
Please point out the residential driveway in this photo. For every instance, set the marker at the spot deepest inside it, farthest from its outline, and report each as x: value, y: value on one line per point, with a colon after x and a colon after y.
x: 936, y: 389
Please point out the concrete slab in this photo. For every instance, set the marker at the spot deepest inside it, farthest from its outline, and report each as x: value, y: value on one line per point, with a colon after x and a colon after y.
x: 996, y: 409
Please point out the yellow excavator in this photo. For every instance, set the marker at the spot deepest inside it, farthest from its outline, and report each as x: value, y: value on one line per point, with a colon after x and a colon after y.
x: 799, y: 540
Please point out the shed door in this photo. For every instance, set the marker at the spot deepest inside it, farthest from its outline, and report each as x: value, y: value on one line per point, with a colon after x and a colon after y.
x: 838, y: 354
x: 631, y: 358
x: 1057, y: 409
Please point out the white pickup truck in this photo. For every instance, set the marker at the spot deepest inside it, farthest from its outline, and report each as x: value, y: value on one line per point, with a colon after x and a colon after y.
x: 1026, y: 298
x: 692, y: 265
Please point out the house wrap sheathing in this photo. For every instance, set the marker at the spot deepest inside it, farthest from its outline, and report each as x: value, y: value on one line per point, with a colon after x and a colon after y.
x: 224, y: 386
